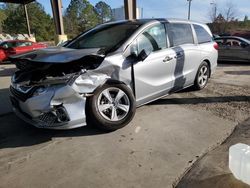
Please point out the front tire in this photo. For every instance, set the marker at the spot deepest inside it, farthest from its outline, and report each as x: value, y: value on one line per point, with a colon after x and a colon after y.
x: 111, y: 107
x: 202, y: 76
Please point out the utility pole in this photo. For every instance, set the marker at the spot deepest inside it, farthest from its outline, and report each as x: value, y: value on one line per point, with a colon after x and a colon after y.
x: 27, y: 19
x: 189, y: 8
x: 214, y: 11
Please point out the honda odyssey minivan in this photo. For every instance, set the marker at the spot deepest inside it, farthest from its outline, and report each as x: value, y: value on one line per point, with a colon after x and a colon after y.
x: 101, y: 76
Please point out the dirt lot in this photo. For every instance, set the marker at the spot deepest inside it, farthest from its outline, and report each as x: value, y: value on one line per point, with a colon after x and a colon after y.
x: 227, y: 95
x: 155, y: 150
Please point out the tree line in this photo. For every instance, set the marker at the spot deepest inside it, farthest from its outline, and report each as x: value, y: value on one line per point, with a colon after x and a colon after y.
x: 225, y: 20
x: 79, y: 16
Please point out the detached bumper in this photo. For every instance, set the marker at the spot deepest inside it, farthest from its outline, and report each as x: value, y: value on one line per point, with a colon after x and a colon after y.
x: 58, y: 108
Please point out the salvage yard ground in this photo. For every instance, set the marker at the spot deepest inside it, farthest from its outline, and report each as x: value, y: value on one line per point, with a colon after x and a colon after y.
x: 163, y: 141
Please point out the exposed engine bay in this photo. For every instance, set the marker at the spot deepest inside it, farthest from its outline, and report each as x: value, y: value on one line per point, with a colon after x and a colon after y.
x: 37, y: 73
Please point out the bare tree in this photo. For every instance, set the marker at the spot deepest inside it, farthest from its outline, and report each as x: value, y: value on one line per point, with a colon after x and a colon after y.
x: 222, y: 18
x: 230, y: 11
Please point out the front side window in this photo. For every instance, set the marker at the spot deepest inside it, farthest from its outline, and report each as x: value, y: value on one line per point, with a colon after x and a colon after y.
x: 12, y: 44
x: 180, y: 33
x: 152, y: 39
x: 107, y: 37
x: 20, y: 44
x: 202, y: 35
x: 28, y: 43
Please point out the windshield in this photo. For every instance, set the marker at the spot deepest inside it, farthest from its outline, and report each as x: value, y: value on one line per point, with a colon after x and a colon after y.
x: 7, y: 44
x: 4, y: 44
x: 107, y: 37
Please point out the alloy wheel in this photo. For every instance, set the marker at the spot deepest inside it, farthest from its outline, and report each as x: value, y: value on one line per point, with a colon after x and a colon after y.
x: 113, y: 104
x: 203, y: 76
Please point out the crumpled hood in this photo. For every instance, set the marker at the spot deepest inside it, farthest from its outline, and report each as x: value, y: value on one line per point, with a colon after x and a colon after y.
x: 56, y: 55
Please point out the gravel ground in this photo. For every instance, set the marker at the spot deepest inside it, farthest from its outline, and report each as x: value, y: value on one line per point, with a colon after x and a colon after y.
x: 228, y: 100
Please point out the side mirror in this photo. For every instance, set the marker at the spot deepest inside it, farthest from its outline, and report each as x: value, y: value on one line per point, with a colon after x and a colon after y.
x: 142, y: 55
x: 131, y: 52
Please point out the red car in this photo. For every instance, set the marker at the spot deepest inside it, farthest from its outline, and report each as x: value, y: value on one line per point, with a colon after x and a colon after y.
x: 13, y: 47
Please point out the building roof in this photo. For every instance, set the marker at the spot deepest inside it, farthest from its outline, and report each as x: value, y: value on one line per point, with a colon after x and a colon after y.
x: 17, y: 1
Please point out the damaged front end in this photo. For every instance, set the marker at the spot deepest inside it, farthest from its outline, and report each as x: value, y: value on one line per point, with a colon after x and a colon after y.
x: 49, y: 91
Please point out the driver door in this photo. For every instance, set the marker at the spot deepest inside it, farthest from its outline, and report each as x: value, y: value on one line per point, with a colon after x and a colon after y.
x: 154, y: 75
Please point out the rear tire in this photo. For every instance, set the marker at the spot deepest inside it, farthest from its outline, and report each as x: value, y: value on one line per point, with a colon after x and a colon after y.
x: 111, y: 107
x: 202, y: 76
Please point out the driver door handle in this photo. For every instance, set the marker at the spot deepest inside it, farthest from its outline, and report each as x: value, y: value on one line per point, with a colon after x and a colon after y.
x: 167, y: 58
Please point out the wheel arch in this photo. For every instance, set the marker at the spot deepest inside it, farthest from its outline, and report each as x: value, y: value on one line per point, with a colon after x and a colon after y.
x: 111, y: 81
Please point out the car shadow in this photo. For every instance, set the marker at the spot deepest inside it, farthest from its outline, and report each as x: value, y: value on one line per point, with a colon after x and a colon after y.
x: 237, y: 72
x: 5, y: 105
x: 201, y: 100
x: 14, y: 133
x: 233, y: 63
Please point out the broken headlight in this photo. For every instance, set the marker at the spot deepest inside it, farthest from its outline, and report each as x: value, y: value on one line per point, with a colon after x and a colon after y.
x: 93, y: 79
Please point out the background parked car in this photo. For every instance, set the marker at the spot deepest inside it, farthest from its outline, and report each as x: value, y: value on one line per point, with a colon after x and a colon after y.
x: 13, y: 47
x: 2, y: 55
x: 233, y: 49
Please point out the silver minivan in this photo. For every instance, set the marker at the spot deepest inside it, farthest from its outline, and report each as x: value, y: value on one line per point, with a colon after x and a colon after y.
x: 101, y: 76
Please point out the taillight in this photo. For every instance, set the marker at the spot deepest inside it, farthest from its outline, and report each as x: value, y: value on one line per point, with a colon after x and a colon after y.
x: 216, y: 46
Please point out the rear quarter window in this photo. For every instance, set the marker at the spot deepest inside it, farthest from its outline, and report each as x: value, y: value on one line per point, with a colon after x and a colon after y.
x: 202, y: 35
x: 180, y: 33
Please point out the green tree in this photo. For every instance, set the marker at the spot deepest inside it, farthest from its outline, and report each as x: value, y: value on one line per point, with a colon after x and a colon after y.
x: 2, y: 18
x: 104, y: 11
x: 41, y: 23
x: 246, y: 18
x: 79, y: 16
